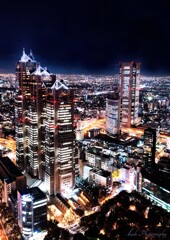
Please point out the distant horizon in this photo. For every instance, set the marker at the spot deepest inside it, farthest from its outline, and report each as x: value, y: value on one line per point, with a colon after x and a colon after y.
x: 74, y: 69
x: 146, y: 74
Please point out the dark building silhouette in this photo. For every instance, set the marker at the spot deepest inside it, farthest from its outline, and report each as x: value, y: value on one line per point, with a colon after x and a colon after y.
x: 149, y: 147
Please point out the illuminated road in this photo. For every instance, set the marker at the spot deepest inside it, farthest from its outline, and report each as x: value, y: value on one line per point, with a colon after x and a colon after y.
x: 162, y: 139
x: 86, y: 125
x: 2, y: 232
x: 92, y: 123
x: 10, y: 144
x: 133, y: 131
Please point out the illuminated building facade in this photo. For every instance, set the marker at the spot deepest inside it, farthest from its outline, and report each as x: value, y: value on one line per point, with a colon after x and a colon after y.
x: 32, y: 212
x: 24, y: 68
x: 158, y: 195
x: 59, y: 139
x: 149, y: 147
x: 101, y: 177
x: 113, y: 116
x: 138, y: 179
x: 45, y: 128
x: 33, y: 126
x: 129, y: 77
x: 11, y: 179
x: 36, y: 131
x: 30, y: 114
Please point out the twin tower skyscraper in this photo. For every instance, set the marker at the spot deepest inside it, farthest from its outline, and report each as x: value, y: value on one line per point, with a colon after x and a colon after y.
x: 45, y: 128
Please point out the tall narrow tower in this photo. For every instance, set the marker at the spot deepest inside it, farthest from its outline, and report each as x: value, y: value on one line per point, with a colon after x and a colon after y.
x: 36, y: 121
x: 113, y: 115
x: 24, y: 68
x: 129, y: 77
x: 59, y: 139
x: 149, y: 147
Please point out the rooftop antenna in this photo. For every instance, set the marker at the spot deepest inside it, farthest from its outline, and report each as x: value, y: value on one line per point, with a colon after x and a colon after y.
x: 31, y: 54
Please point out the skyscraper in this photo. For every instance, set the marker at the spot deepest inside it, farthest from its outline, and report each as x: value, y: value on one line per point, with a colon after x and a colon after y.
x: 149, y: 147
x: 129, y: 77
x: 45, y: 128
x: 113, y: 116
x: 39, y: 81
x: 32, y: 212
x: 29, y: 114
x: 24, y: 68
x: 59, y: 139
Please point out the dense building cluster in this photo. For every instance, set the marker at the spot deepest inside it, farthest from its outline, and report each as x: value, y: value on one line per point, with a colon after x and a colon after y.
x: 84, y: 157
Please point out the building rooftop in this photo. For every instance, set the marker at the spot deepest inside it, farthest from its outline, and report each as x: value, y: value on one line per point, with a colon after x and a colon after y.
x: 8, y: 170
x: 101, y: 172
x: 35, y: 192
x: 26, y: 58
x: 157, y: 191
x: 58, y: 85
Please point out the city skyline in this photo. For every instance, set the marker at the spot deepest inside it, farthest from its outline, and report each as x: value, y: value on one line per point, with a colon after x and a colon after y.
x: 87, y: 37
x: 82, y: 149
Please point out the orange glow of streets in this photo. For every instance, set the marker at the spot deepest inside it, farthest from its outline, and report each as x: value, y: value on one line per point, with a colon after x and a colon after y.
x: 2, y: 232
x: 8, y: 143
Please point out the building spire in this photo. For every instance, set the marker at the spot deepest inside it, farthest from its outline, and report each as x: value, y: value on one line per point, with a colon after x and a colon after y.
x: 26, y: 58
x: 31, y: 54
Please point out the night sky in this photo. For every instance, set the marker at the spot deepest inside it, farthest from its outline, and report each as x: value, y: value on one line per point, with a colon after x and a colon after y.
x: 78, y: 36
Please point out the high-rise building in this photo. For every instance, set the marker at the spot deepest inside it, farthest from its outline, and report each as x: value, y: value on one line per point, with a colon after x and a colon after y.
x: 30, y: 113
x: 113, y: 116
x: 59, y: 139
x: 45, y: 128
x: 129, y: 77
x: 24, y: 68
x: 11, y: 179
x: 39, y: 81
x: 32, y: 212
x: 149, y: 147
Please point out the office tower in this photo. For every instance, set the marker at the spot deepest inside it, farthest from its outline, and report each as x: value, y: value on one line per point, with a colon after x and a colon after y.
x: 34, y: 114
x: 129, y: 77
x: 39, y: 81
x: 24, y: 68
x: 101, y: 177
x: 59, y: 139
x: 138, y: 179
x: 113, y: 116
x: 30, y: 114
x: 149, y: 147
x: 32, y: 212
x: 45, y: 128
x: 11, y: 179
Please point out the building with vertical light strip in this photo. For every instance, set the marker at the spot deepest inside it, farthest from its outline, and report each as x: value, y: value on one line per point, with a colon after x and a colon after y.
x: 59, y: 139
x: 36, y: 115
x: 149, y: 147
x: 45, y: 128
x: 129, y: 77
x: 19, y: 131
x: 32, y: 213
x: 30, y: 113
x: 24, y: 68
x: 113, y: 116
